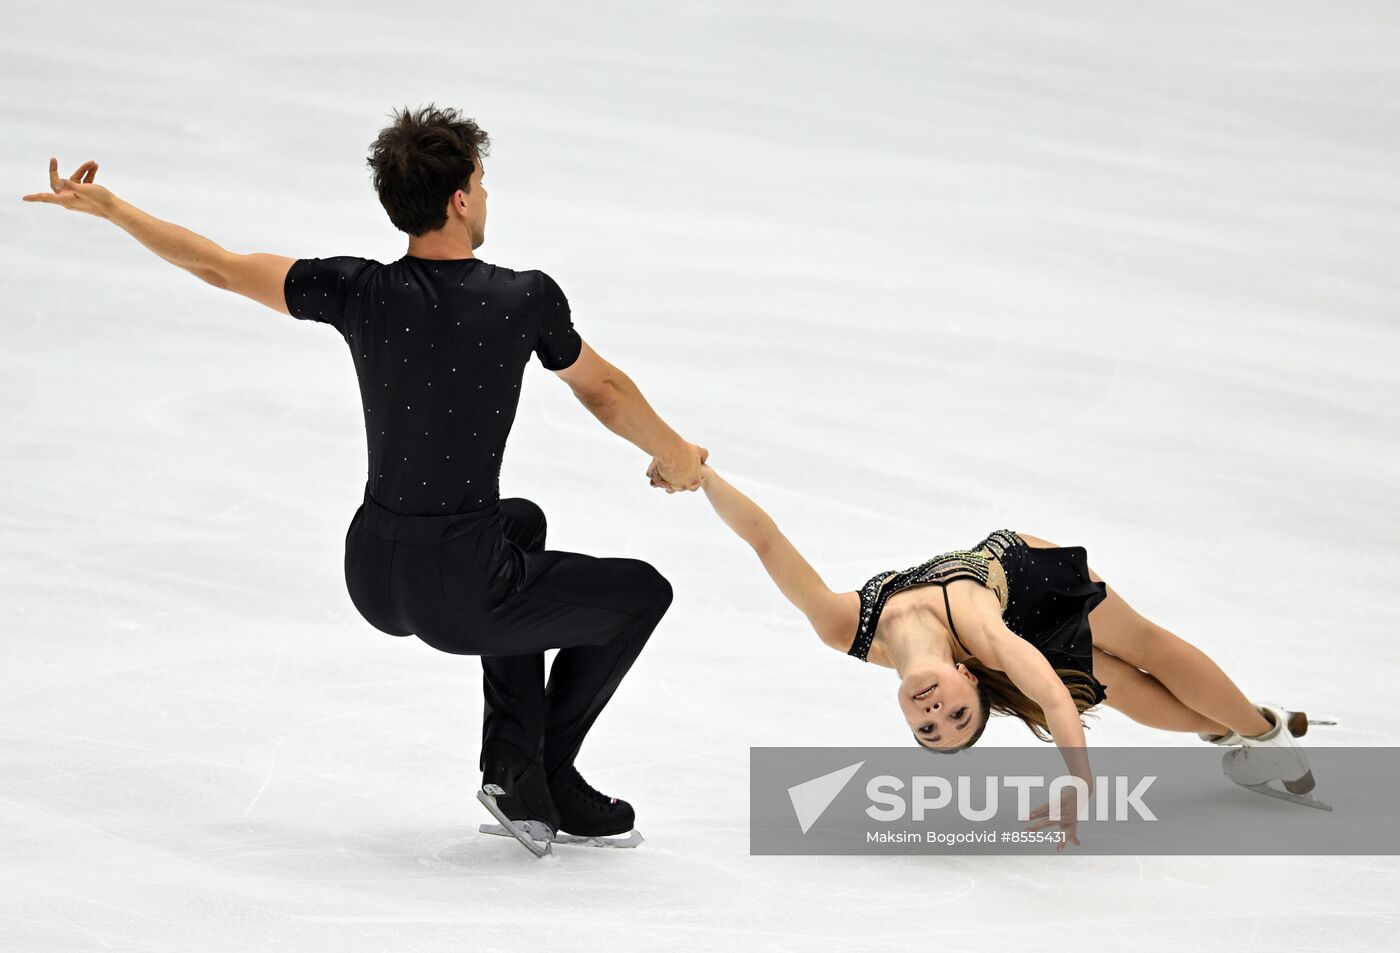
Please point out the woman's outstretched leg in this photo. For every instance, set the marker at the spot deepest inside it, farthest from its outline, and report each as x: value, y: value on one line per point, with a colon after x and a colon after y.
x: 1146, y: 700
x: 1184, y: 670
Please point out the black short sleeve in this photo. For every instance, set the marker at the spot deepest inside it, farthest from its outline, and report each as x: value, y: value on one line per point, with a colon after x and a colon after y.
x: 558, y: 345
x: 317, y: 289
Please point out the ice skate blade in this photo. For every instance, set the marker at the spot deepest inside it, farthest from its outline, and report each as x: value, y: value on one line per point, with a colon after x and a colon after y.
x: 631, y: 839
x: 535, y: 835
x: 1307, y: 800
x: 1298, y: 722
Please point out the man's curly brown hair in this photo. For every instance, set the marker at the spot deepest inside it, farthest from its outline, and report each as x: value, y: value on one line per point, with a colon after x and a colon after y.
x: 419, y: 160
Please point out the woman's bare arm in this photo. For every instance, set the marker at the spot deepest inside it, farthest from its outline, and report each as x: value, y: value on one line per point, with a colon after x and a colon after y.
x: 832, y: 614
x: 1000, y: 648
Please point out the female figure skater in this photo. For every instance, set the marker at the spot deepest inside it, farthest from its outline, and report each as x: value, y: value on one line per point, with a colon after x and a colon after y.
x: 1019, y: 626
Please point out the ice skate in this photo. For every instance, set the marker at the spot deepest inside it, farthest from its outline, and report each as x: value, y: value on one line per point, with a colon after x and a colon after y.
x: 631, y: 839
x: 1272, y: 763
x: 588, y: 816
x: 535, y: 835
x: 585, y: 815
x: 1298, y: 723
x: 514, y: 790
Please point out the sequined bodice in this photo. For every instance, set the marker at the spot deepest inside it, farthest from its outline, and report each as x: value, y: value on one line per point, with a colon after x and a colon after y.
x: 982, y: 564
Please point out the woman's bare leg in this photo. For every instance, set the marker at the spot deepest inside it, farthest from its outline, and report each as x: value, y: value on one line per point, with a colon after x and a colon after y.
x: 1184, y: 670
x: 1146, y: 700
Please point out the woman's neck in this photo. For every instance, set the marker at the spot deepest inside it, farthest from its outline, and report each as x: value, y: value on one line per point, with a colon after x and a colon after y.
x: 915, y: 638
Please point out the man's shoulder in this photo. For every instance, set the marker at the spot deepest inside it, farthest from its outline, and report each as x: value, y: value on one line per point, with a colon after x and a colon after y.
x: 345, y: 259
x: 338, y: 264
x: 533, y: 283
x: 527, y: 275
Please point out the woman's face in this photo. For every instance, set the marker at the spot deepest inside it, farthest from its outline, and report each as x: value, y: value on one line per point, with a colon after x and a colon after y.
x: 940, y: 704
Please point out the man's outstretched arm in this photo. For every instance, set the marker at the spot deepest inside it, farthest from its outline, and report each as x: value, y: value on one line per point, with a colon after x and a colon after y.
x: 258, y: 276
x: 617, y: 402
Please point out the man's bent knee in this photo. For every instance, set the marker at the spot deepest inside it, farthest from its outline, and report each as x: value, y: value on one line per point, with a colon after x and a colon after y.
x: 665, y: 594
x: 654, y: 590
x: 527, y: 511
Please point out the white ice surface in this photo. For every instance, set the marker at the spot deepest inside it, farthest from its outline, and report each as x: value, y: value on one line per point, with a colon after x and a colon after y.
x: 1120, y: 275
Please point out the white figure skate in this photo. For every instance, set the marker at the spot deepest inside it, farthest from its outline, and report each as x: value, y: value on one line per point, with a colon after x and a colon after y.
x: 1273, y: 758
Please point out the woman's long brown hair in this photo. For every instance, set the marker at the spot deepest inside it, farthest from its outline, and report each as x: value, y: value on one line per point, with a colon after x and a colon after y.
x: 1000, y: 695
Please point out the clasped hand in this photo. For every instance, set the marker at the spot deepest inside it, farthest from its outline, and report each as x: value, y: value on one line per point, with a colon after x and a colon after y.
x: 681, y: 474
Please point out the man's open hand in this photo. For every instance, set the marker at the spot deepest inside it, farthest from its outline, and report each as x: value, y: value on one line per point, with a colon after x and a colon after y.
x: 77, y: 192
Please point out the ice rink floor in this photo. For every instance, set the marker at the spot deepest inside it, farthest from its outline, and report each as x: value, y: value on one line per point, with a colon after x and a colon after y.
x: 1118, y: 275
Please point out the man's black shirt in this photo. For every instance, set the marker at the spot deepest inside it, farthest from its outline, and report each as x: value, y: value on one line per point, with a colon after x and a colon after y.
x: 440, y: 348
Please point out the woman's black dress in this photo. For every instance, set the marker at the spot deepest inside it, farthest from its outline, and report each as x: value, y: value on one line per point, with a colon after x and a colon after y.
x: 1046, y: 596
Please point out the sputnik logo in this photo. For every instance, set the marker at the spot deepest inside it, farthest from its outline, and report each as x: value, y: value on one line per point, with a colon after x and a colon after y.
x: 810, y: 799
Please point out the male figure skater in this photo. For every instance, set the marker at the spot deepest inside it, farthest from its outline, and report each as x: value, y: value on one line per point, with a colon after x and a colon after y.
x: 440, y: 340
